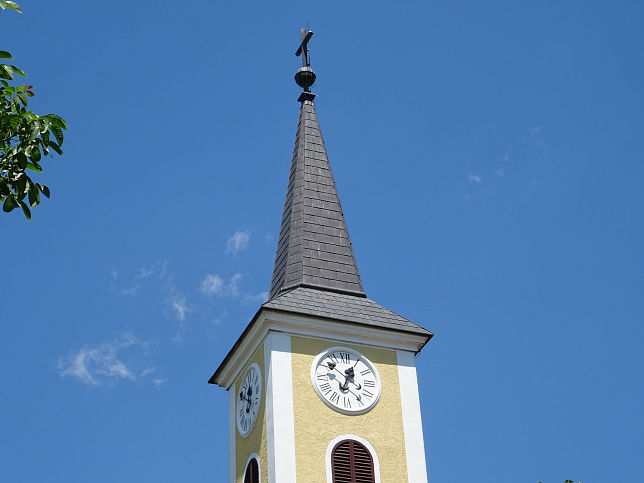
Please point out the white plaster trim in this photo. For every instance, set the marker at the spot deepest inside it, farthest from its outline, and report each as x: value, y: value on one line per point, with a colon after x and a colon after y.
x: 412, y: 423
x: 268, y: 409
x: 315, y: 327
x: 280, y: 421
x: 364, y: 442
x: 232, y: 442
x: 259, y: 466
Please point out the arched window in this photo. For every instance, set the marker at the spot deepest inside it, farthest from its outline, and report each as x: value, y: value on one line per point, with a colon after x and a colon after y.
x: 251, y: 475
x: 352, y: 462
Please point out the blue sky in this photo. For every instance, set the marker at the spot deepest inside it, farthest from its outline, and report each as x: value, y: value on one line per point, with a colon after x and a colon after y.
x: 489, y: 160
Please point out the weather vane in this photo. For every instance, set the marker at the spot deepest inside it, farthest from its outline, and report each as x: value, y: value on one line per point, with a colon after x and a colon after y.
x: 305, y: 77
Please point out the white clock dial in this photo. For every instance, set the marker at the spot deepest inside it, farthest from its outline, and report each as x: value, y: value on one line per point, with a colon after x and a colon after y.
x: 346, y: 380
x: 249, y: 398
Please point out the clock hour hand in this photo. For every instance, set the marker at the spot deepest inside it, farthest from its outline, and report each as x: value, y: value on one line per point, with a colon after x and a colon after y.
x: 348, y: 377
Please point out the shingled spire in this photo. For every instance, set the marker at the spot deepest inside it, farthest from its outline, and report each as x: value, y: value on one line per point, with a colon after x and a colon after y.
x: 314, y: 249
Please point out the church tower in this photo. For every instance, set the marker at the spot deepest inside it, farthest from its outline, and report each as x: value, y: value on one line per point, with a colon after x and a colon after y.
x: 322, y: 382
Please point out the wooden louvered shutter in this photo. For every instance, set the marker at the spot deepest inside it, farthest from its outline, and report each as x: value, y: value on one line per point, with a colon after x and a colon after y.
x: 352, y: 463
x: 252, y: 472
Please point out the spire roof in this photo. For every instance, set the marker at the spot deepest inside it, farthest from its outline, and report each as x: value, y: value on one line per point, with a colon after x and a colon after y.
x: 314, y: 249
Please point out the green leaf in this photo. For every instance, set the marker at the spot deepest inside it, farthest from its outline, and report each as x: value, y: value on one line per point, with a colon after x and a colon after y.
x: 25, y: 210
x: 55, y: 147
x: 23, y: 97
x: 18, y: 71
x: 58, y: 133
x: 9, y: 4
x: 22, y: 160
x: 34, y: 155
x: 9, y: 204
x: 56, y: 120
x: 5, y: 55
x: 34, y: 195
x: 43, y: 189
x: 34, y: 167
x: 6, y: 72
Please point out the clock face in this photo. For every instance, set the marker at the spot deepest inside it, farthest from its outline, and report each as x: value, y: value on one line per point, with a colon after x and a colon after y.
x: 249, y: 399
x: 346, y: 380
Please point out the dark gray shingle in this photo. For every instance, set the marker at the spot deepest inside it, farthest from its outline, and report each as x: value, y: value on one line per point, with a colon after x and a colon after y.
x: 314, y: 248
x: 346, y: 308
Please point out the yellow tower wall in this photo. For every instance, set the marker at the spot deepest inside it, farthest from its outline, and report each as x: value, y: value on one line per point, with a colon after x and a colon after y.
x: 316, y: 424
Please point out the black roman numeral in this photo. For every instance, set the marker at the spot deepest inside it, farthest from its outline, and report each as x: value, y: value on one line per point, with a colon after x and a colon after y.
x: 367, y: 393
x: 347, y: 403
x: 325, y: 388
x: 333, y: 357
x: 365, y: 372
x: 335, y: 397
x: 345, y: 358
x: 322, y: 377
x: 369, y: 383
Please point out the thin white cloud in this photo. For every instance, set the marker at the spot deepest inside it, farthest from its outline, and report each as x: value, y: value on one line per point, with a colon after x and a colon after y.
x: 144, y: 273
x: 233, y: 284
x: 474, y: 178
x: 179, y: 306
x: 238, y: 242
x: 111, y: 361
x: 259, y: 297
x: 130, y: 290
x: 499, y: 172
x: 133, y: 283
x: 536, y: 135
x: 159, y: 382
x: 213, y: 284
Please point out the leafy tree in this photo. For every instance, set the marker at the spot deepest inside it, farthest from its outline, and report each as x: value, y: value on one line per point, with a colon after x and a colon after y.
x: 25, y: 138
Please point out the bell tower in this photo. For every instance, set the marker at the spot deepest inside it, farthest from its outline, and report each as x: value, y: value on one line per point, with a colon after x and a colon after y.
x: 322, y: 382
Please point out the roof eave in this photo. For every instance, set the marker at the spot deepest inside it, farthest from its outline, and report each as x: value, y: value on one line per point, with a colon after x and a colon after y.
x: 422, y: 337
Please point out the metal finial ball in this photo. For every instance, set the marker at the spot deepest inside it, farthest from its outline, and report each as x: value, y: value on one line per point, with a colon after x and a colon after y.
x: 305, y: 77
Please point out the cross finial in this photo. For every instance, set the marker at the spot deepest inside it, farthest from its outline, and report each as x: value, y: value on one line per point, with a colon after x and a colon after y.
x: 305, y: 77
x: 303, y: 49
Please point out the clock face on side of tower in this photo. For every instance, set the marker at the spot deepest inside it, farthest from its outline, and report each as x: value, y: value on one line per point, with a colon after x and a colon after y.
x: 249, y: 399
x: 346, y: 380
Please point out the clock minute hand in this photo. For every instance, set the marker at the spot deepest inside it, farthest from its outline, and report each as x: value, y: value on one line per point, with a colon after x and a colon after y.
x: 347, y: 377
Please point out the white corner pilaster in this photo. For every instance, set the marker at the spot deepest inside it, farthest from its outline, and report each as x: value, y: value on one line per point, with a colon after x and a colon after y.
x: 280, y: 427
x: 412, y: 423
x: 232, y: 443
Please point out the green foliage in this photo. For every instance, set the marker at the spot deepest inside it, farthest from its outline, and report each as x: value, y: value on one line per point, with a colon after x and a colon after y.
x: 25, y: 138
x: 7, y: 4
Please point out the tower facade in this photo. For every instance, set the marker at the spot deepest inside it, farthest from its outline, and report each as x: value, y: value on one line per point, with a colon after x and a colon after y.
x: 322, y: 382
